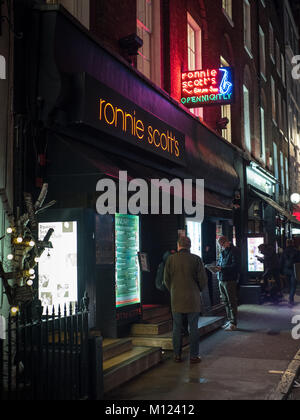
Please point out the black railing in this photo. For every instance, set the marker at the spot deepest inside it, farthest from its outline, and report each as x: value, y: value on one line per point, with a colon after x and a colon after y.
x: 50, y: 359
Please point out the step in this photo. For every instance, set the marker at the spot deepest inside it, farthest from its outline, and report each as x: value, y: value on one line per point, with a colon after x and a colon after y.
x: 165, y: 341
x: 153, y: 328
x: 127, y: 366
x: 115, y: 347
x: 154, y: 311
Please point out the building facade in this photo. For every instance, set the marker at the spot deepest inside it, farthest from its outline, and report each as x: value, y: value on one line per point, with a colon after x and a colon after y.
x: 129, y: 57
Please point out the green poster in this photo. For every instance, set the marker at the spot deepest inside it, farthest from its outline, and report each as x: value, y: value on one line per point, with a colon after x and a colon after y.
x: 127, y: 264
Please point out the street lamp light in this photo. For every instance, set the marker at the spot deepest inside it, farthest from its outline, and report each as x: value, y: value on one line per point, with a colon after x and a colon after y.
x: 295, y: 198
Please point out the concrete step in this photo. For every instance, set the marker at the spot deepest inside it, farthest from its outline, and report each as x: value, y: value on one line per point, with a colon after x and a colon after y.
x: 153, y: 328
x: 115, y: 347
x: 128, y: 365
x: 154, y: 311
x: 206, y: 326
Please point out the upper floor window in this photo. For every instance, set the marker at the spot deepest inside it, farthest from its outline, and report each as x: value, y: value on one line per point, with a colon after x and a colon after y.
x: 247, y: 26
x: 2, y: 68
x: 194, y: 44
x: 226, y: 111
x: 278, y: 57
x: 283, y: 69
x: 247, y: 125
x: 271, y: 43
x: 148, y: 29
x: 262, y: 51
x: 273, y: 98
x: 227, y: 8
x: 79, y: 9
x: 263, y: 135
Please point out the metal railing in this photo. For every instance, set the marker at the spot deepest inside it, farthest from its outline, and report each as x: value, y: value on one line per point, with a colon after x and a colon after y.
x: 51, y: 358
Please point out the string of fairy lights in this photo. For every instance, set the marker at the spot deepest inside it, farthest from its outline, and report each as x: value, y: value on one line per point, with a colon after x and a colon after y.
x: 25, y: 253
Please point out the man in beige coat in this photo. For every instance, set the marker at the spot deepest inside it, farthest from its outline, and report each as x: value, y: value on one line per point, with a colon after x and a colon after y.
x: 185, y: 277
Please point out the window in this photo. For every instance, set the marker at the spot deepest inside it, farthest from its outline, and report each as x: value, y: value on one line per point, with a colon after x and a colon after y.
x: 79, y: 9
x: 227, y: 8
x: 263, y: 135
x: 275, y: 156
x: 284, y: 123
x: 247, y: 126
x: 247, y: 26
x: 287, y: 178
x: 283, y: 69
x: 271, y: 41
x: 148, y: 29
x: 279, y: 107
x: 226, y: 110
x: 282, y: 169
x: 194, y: 43
x: 2, y: 68
x: 273, y: 98
x: 278, y: 58
x: 262, y: 51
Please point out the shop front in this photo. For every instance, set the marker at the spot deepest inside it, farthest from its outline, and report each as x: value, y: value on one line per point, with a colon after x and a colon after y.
x: 268, y: 222
x: 101, y: 119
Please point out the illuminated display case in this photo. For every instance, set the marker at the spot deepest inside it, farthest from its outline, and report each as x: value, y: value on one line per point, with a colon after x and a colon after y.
x: 254, y: 265
x: 194, y: 232
x: 127, y: 247
x: 58, y: 274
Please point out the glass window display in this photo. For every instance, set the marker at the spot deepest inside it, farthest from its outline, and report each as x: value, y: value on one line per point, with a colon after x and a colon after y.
x: 255, y: 266
x: 58, y: 266
x: 195, y: 234
x: 127, y: 264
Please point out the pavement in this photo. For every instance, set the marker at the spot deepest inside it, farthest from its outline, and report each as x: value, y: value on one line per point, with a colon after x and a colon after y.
x: 244, y: 365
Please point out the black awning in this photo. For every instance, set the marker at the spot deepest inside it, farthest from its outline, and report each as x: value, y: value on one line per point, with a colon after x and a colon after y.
x: 77, y: 167
x: 276, y: 206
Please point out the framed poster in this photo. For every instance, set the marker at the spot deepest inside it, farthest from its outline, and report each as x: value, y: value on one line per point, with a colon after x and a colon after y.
x: 254, y: 265
x: 57, y: 267
x: 128, y: 277
x: 144, y: 262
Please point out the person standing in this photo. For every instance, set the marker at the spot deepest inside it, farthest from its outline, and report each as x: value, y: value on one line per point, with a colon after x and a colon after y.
x: 185, y: 278
x: 289, y: 257
x: 228, y: 272
x: 272, y: 271
x: 209, y: 257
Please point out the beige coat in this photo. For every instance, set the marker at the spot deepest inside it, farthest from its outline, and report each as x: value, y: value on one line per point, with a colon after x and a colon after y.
x: 184, y: 277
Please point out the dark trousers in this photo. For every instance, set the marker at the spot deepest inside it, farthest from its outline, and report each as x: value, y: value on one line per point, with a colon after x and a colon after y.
x: 193, y: 319
x: 228, y: 291
x: 292, y: 286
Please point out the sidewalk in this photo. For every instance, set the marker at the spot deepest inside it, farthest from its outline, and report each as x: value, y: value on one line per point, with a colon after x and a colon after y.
x: 243, y: 365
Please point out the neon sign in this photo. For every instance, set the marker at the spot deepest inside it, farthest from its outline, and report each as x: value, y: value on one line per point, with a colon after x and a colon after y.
x: 207, y: 87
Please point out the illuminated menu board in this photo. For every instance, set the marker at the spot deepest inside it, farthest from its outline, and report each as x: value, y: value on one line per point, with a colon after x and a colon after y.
x: 58, y: 266
x: 195, y: 234
x: 127, y: 265
x: 207, y: 87
x: 254, y: 265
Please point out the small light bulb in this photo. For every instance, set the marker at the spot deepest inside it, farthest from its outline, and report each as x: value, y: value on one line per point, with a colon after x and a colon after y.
x: 19, y: 240
x: 31, y: 243
x: 10, y: 257
x: 14, y: 310
x: 29, y: 283
x: 32, y: 277
x: 37, y: 260
x: 31, y: 271
x: 9, y: 230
